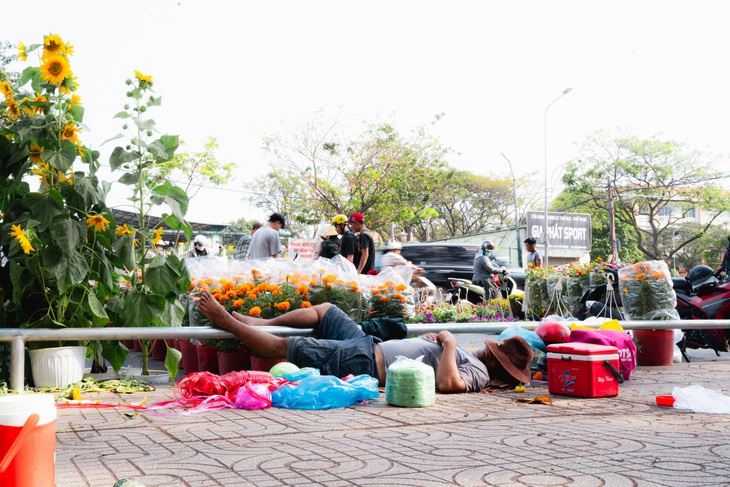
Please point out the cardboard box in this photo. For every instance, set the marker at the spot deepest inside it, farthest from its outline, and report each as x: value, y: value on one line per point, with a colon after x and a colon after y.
x: 583, y: 370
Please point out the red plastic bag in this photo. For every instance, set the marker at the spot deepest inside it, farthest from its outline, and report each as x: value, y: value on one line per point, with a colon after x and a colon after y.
x: 620, y: 340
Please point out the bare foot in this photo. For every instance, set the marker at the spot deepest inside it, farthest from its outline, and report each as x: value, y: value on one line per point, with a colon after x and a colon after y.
x: 213, y: 310
x: 249, y: 320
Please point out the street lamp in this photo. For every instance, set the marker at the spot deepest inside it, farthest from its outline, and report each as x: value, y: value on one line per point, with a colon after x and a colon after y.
x: 545, y: 227
x: 517, y: 213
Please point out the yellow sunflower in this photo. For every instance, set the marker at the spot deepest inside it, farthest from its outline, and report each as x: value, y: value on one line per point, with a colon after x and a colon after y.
x: 158, y: 236
x: 97, y: 221
x: 22, y: 238
x: 70, y: 132
x: 35, y: 154
x: 55, y: 69
x: 6, y: 89
x: 13, y: 108
x: 52, y: 46
x: 123, y: 230
x: 75, y: 100
x: 143, y: 77
x: 22, y: 55
x: 69, y: 49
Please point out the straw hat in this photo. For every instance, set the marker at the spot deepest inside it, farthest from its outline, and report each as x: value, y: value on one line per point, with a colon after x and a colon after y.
x: 514, y: 355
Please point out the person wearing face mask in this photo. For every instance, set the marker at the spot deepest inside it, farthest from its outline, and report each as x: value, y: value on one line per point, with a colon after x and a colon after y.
x: 484, y: 270
x: 199, y: 249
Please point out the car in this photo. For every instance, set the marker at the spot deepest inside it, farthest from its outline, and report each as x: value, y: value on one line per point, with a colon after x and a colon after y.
x: 439, y: 260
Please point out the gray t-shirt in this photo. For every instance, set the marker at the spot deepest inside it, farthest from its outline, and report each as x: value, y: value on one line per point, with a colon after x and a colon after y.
x: 532, y: 258
x: 471, y: 369
x: 264, y: 243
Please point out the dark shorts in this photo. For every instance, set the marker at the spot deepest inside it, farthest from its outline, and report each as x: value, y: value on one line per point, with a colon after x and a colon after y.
x: 340, y: 347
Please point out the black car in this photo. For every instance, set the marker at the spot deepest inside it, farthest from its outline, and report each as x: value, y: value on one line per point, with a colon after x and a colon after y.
x: 439, y: 260
x: 443, y: 260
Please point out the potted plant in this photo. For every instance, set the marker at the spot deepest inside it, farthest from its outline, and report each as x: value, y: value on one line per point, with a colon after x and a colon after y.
x: 232, y: 356
x: 57, y: 232
x: 154, y: 281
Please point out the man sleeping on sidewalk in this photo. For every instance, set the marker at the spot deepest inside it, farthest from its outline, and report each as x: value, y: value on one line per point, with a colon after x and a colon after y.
x: 341, y: 348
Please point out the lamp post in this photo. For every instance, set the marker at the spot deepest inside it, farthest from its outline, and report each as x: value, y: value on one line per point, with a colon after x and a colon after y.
x: 517, y: 213
x: 545, y: 226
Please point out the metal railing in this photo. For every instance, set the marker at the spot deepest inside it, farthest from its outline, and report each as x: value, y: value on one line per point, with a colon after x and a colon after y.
x: 19, y: 336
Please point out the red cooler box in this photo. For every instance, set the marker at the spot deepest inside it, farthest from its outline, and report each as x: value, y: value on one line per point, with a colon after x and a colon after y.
x: 583, y: 370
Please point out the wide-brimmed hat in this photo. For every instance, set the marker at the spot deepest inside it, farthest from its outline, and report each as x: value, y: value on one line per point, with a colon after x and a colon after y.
x: 328, y: 232
x: 514, y: 355
x: 394, y: 246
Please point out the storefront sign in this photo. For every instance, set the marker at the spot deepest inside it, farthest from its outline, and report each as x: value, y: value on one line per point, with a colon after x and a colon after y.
x: 565, y: 230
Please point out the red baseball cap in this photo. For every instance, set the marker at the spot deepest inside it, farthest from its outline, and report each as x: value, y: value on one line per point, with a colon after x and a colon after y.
x: 357, y: 217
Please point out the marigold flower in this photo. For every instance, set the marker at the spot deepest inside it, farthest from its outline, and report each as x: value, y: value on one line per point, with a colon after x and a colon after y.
x: 302, y: 289
x: 312, y: 283
x: 401, y: 287
x: 397, y: 296
x: 53, y: 45
x: 158, y: 236
x: 329, y: 278
x: 639, y: 276
x: 97, y: 221
x: 283, y: 306
x: 238, y: 303
x: 55, y: 69
x: 123, y: 230
x: 383, y: 299
x: 306, y: 304
x: 22, y: 238
x: 255, y: 311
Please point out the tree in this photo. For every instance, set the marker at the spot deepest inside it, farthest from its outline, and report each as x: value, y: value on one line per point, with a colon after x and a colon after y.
x: 379, y: 172
x: 656, y: 185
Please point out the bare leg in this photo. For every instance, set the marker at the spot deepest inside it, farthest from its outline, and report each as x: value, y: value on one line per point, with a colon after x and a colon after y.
x: 260, y: 342
x: 299, y: 318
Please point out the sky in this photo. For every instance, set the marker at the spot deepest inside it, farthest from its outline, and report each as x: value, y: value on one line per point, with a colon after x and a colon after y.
x: 239, y: 70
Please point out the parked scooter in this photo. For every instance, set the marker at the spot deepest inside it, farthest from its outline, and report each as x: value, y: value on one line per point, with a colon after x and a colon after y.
x: 464, y: 289
x: 602, y: 300
x: 704, y: 295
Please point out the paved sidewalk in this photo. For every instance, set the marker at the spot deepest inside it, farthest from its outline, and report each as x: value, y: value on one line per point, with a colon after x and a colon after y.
x: 466, y: 439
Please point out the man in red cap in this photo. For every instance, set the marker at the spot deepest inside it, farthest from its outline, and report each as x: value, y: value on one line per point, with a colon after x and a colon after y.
x: 365, y: 252
x: 340, y: 348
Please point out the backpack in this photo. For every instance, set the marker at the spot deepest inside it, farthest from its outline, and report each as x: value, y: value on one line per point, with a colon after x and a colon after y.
x: 329, y: 248
x: 618, y: 339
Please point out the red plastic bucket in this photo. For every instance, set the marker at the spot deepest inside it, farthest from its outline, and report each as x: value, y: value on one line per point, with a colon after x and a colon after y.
x: 27, y: 440
x: 654, y: 347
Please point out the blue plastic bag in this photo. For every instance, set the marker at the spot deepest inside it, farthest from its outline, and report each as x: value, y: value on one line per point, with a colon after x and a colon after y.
x: 532, y: 338
x: 325, y: 392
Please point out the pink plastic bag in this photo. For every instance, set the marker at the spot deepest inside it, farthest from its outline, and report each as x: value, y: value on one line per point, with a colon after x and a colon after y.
x: 253, y: 396
x: 620, y: 340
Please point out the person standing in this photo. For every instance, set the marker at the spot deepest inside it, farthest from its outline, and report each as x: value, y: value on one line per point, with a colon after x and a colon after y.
x: 199, y: 247
x: 534, y: 259
x: 365, y: 252
x: 484, y: 270
x: 265, y: 241
x: 244, y: 243
x: 330, y: 245
x: 348, y: 243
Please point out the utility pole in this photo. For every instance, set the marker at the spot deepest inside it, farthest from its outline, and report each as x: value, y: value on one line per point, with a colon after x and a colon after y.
x: 517, y: 213
x: 611, y: 221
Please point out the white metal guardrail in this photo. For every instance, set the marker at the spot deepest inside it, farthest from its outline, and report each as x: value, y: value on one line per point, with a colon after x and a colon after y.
x: 19, y: 336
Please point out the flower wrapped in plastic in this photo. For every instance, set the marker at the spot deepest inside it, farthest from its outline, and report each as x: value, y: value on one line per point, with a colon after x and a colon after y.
x: 647, y: 292
x: 577, y: 283
x: 388, y: 295
x: 536, y: 300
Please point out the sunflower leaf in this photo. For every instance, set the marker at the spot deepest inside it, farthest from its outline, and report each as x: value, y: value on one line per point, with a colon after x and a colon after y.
x: 120, y: 156
x: 62, y: 158
x: 77, y: 113
x: 122, y: 115
x: 28, y: 74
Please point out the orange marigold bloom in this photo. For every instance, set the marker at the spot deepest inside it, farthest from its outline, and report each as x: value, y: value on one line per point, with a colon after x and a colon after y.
x: 312, y: 283
x: 302, y: 289
x: 383, y: 299
x: 227, y: 285
x: 640, y: 276
x: 306, y: 304
x: 192, y: 286
x: 255, y: 311
x: 283, y: 306
x: 354, y: 287
x: 400, y: 287
x: 397, y: 296
x: 329, y: 278
x: 238, y: 303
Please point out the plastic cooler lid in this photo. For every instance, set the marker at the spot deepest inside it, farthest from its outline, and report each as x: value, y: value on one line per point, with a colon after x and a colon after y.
x: 575, y: 348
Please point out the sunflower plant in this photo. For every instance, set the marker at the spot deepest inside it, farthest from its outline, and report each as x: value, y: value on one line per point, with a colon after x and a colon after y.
x: 152, y: 284
x: 57, y: 232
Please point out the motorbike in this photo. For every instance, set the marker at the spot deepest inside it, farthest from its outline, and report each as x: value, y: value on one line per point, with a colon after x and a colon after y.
x: 708, y: 302
x: 602, y: 300
x: 464, y: 289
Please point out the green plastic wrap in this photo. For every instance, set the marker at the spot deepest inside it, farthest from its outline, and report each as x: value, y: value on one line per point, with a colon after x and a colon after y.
x: 410, y: 383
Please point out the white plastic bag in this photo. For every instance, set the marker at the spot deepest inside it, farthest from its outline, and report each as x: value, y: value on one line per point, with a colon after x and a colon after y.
x: 700, y: 400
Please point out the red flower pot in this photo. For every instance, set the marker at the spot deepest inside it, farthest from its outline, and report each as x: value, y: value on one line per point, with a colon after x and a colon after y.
x: 159, y: 350
x: 176, y: 344
x: 207, y: 359
x: 189, y: 356
x: 265, y: 364
x: 233, y: 362
x: 137, y: 345
x: 654, y: 347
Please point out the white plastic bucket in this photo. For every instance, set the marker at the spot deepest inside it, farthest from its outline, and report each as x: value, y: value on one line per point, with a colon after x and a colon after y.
x: 57, y: 367
x: 27, y: 440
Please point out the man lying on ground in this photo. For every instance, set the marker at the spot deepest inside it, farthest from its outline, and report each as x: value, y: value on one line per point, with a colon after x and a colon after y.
x: 341, y: 348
